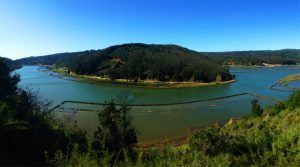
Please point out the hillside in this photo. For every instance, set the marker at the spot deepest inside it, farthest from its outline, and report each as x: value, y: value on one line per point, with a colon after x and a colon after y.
x: 10, y: 63
x: 135, y: 62
x: 47, y: 59
x: 267, y: 137
x: 249, y: 58
x: 271, y: 138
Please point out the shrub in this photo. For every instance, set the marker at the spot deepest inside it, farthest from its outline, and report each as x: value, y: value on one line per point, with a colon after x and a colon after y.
x: 257, y: 110
x: 115, y: 135
x: 293, y: 101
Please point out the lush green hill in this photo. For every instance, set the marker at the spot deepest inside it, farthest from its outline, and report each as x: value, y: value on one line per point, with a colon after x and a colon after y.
x: 283, y: 57
x: 147, y: 62
x: 10, y: 63
x: 248, y: 58
x: 47, y: 59
x: 161, y: 62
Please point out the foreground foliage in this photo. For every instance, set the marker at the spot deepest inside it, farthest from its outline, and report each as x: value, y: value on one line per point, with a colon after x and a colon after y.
x: 28, y: 131
x: 115, y: 135
x: 12, y: 65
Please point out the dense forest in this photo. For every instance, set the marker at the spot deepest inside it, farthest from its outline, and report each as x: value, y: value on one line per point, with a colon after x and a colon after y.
x: 47, y: 59
x: 10, y: 63
x: 246, y: 58
x: 30, y: 135
x: 136, y: 62
x: 250, y: 58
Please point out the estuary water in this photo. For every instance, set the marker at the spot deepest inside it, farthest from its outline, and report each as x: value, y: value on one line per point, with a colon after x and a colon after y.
x: 155, y: 123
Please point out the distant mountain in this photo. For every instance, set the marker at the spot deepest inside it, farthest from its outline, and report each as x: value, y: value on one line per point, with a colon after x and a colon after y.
x: 283, y: 57
x: 147, y: 62
x: 47, y: 59
x: 10, y: 63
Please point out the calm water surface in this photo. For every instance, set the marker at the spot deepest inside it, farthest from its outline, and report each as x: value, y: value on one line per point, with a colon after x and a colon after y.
x: 163, y: 122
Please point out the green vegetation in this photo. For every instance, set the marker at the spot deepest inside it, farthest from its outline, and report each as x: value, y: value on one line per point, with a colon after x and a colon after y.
x: 13, y: 65
x: 28, y: 131
x: 47, y: 59
x: 160, y: 65
x: 135, y: 62
x: 258, y: 58
x: 290, y: 78
x: 115, y: 135
x: 140, y: 84
x: 99, y: 61
x: 257, y: 110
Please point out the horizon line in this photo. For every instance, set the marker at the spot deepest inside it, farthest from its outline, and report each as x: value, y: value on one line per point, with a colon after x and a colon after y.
x: 200, y: 51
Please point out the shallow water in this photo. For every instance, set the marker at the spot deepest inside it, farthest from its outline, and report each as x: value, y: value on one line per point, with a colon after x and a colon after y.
x: 160, y: 122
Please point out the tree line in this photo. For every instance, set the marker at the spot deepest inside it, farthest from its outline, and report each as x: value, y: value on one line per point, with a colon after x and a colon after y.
x: 246, y: 58
x: 250, y: 58
x: 47, y: 59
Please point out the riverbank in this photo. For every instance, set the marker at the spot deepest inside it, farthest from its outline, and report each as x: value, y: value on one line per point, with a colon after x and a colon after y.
x: 262, y: 66
x: 141, y: 84
x: 291, y: 78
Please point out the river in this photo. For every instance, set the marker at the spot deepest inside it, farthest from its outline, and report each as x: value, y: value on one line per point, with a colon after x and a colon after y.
x: 155, y: 123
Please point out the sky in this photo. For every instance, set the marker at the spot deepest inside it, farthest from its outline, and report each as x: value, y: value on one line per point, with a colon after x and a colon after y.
x: 40, y: 27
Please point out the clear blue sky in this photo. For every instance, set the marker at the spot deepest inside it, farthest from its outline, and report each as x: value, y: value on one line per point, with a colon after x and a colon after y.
x: 38, y: 27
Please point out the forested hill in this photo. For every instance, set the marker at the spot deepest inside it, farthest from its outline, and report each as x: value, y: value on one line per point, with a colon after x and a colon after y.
x: 47, y: 59
x: 141, y: 61
x: 161, y: 62
x: 12, y: 65
x: 246, y: 58
x: 249, y: 58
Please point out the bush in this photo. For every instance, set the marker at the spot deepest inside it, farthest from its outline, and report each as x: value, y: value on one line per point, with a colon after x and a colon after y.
x: 279, y: 107
x: 293, y: 101
x: 115, y: 135
x: 257, y: 110
x: 27, y: 128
